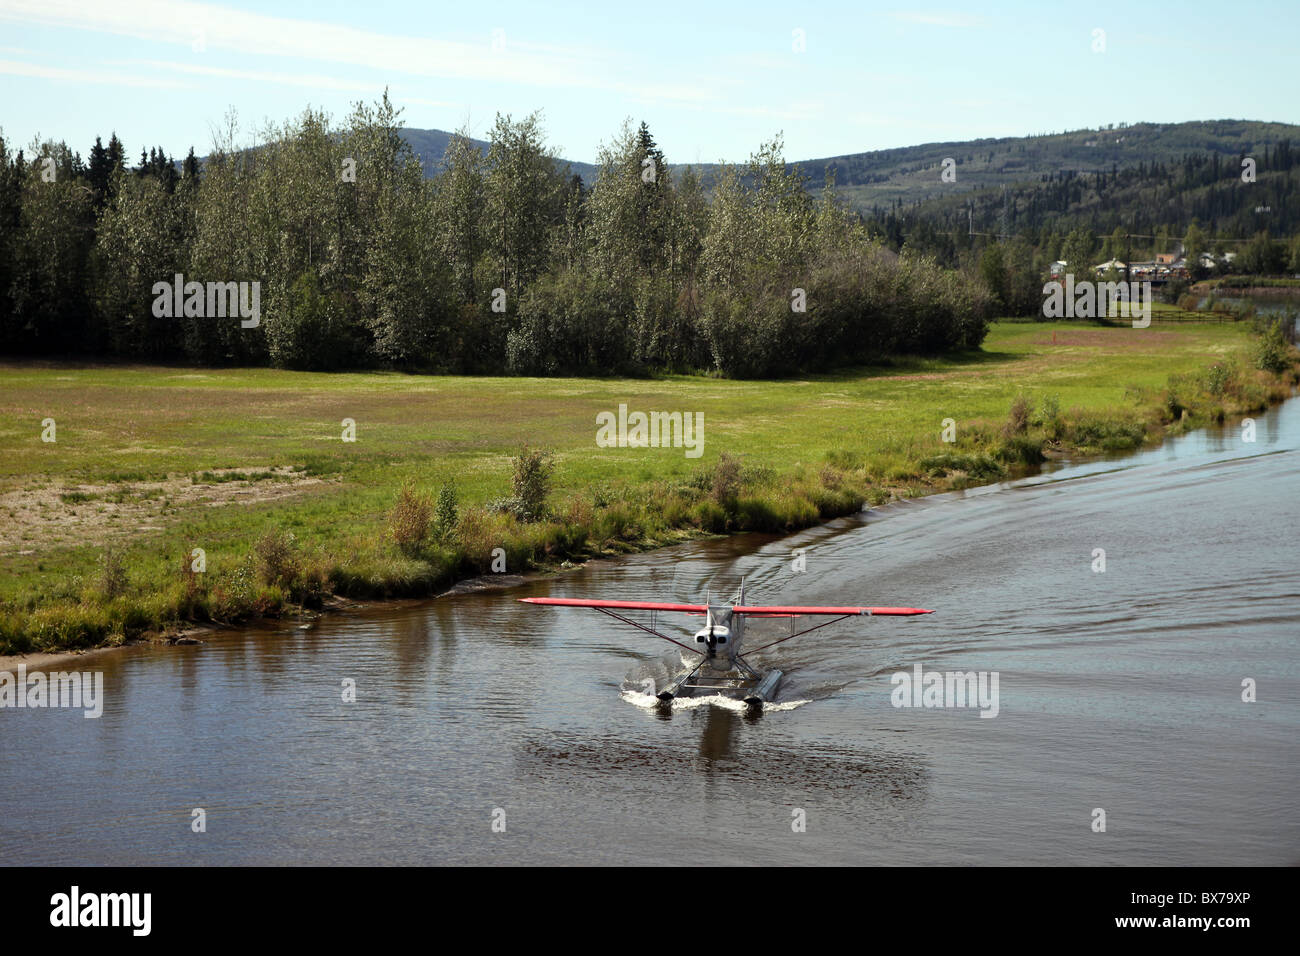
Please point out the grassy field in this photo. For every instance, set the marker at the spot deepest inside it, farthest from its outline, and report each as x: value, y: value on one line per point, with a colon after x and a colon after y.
x: 152, y: 462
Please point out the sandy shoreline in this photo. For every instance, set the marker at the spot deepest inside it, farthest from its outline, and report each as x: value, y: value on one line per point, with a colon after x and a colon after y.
x: 47, y: 660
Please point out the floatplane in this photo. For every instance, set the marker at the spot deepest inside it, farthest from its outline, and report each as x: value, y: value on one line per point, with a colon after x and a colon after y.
x: 720, y: 667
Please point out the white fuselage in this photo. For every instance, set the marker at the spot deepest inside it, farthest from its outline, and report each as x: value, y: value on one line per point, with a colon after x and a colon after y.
x: 722, y: 634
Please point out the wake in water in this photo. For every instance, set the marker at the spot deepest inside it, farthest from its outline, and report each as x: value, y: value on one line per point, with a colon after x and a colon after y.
x: 639, y: 688
x: 640, y: 698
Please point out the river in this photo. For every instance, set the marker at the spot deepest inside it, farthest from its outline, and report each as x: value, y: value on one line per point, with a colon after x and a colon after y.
x: 1119, y: 690
x: 1276, y: 304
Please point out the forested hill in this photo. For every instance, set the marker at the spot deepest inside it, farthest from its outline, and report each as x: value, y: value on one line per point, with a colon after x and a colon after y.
x: 430, y: 145
x: 914, y: 173
x: 880, y: 178
x: 1205, y: 188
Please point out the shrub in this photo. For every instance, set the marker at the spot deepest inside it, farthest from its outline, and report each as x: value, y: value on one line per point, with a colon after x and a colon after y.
x: 1173, y: 404
x: 312, y: 587
x: 1022, y: 449
x: 726, y: 482
x: 231, y: 597
x: 1049, y: 417
x: 1216, y: 378
x: 979, y: 467
x: 532, y: 483
x: 618, y: 522
x: 444, y: 517
x: 759, y: 514
x: 479, y: 534
x: 192, y: 595
x: 1108, y: 435
x: 410, y: 520
x: 112, y: 573
x: 1018, y: 418
x: 710, y: 516
x: 276, y: 553
x: 1272, y: 352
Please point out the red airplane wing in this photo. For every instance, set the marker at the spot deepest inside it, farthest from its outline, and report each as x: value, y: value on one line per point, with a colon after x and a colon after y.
x: 795, y: 611
x: 758, y: 611
x: 620, y: 605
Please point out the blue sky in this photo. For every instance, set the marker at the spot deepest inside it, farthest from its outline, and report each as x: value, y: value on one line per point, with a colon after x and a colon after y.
x: 713, y: 81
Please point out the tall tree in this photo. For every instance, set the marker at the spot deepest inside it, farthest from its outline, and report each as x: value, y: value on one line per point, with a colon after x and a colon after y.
x: 619, y: 207
x: 140, y: 241
x: 11, y: 187
x: 993, y: 270
x: 459, y: 209
x: 525, y: 191
x: 50, y: 254
x: 1194, y: 244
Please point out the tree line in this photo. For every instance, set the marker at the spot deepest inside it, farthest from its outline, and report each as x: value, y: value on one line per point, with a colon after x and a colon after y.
x: 502, y: 262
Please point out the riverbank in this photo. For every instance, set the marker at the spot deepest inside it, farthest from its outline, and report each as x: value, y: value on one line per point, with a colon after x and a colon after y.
x: 250, y: 466
x: 193, y: 633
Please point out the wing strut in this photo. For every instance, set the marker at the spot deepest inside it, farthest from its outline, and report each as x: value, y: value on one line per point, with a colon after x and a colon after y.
x: 755, y: 650
x: 640, y: 626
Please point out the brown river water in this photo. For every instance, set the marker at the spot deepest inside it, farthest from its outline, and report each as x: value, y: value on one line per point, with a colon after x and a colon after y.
x: 1118, y: 690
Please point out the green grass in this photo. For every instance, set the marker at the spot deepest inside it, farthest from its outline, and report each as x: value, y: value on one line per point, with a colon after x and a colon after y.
x: 145, y: 454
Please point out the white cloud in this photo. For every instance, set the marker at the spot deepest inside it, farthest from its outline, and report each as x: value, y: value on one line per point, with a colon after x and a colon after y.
x: 17, y: 68
x: 186, y: 23
x: 315, y: 81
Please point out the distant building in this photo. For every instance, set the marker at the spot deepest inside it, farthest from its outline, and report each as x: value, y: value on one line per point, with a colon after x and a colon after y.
x: 1161, y: 269
x: 1172, y: 259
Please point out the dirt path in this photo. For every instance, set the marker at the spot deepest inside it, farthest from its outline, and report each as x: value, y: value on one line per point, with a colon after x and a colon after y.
x: 62, y: 514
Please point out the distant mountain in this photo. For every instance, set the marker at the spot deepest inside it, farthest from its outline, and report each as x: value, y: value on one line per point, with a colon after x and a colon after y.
x: 1150, y: 181
x: 431, y: 144
x: 878, y: 179
x: 913, y: 173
